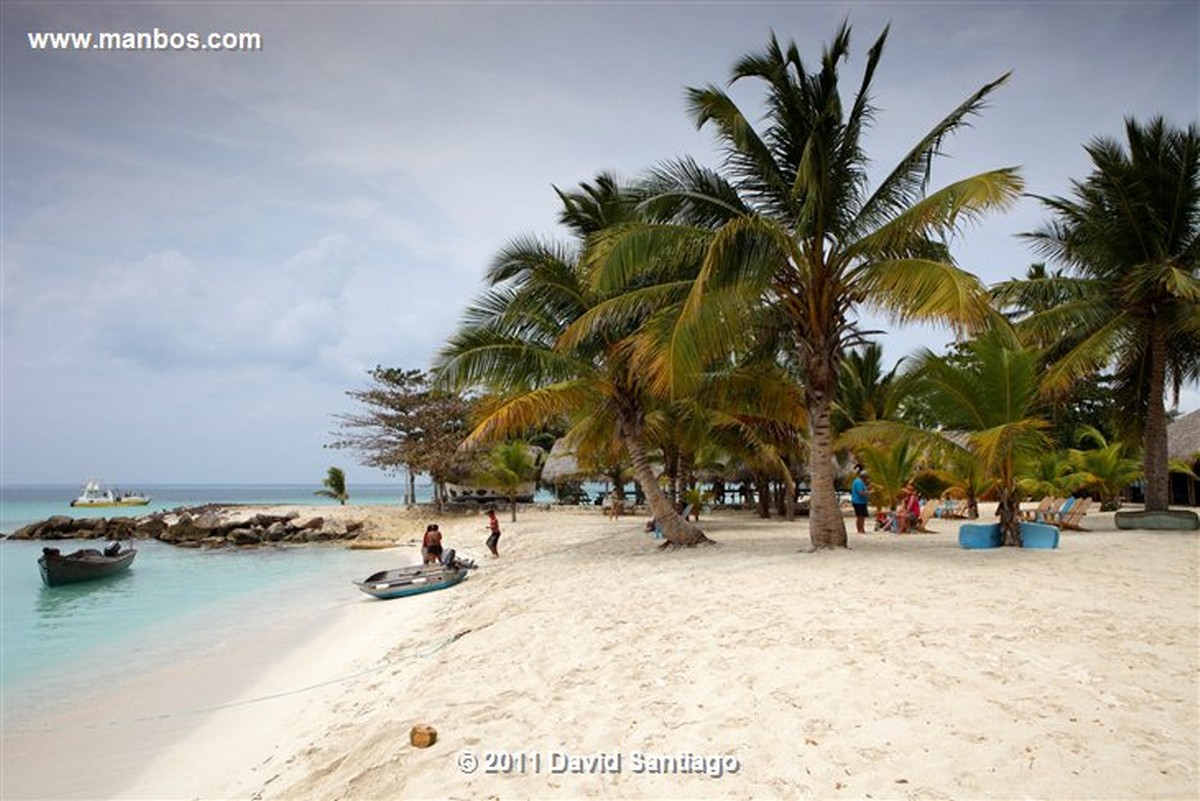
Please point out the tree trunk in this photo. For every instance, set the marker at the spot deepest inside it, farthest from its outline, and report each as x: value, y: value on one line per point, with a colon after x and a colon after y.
x: 512, y: 503
x: 826, y: 526
x: 1154, y: 446
x: 1010, y: 517
x: 410, y: 487
x: 676, y: 530
x: 762, y: 488
x: 789, y: 492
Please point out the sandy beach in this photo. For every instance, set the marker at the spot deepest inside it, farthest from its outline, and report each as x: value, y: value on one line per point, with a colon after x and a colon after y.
x: 584, y: 662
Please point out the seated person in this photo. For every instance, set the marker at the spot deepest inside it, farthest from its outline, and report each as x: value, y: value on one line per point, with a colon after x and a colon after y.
x: 431, y: 545
x: 112, y: 549
x: 910, y: 510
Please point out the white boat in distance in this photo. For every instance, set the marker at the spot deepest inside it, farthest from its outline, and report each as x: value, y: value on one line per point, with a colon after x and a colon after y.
x: 96, y: 496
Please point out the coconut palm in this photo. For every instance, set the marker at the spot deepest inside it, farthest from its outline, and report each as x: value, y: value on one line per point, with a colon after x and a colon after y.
x: 335, y: 486
x: 1129, y: 235
x: 991, y: 397
x: 865, y: 392
x: 512, y: 341
x: 1106, y: 469
x: 1047, y: 476
x: 890, y: 468
x: 509, y: 466
x: 795, y: 243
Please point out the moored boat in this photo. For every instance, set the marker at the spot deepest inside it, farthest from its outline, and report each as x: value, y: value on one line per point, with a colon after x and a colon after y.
x: 464, y: 493
x: 83, y: 565
x: 402, y: 581
x: 95, y: 495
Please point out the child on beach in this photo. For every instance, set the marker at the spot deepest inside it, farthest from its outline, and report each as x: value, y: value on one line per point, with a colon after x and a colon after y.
x: 493, y: 527
x: 431, y: 545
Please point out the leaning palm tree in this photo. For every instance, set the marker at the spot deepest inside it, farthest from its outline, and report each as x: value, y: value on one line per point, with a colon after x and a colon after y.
x: 796, y: 242
x: 1130, y: 236
x: 335, y: 486
x: 511, y: 341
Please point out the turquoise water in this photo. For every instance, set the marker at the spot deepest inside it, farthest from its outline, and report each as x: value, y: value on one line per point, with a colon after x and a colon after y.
x: 59, y: 642
x: 56, y: 643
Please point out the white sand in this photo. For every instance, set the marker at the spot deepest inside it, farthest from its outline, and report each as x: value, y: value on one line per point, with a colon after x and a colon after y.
x: 904, y: 667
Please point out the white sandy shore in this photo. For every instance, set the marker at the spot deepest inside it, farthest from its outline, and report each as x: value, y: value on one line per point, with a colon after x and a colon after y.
x: 901, y: 668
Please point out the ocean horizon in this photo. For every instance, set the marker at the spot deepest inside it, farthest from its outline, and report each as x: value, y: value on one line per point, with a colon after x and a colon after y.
x: 25, y: 503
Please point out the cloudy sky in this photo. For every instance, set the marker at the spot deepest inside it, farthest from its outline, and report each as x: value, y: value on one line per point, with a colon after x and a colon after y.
x: 203, y: 251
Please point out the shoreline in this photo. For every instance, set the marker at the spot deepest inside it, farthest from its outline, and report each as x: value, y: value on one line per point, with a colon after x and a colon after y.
x: 903, y: 666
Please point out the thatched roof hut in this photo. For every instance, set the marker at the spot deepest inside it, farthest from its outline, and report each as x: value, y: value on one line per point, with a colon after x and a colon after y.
x: 1183, y: 436
x: 1183, y: 442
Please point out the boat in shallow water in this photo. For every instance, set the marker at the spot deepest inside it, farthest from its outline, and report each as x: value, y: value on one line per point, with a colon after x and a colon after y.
x: 83, y: 565
x: 402, y: 581
x: 94, y: 495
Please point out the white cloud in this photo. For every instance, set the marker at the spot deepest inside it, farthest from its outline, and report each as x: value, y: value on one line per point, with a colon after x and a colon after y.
x: 231, y: 240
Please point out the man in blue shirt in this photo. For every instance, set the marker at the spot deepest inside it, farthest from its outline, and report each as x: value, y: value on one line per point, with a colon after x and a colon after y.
x: 858, y: 499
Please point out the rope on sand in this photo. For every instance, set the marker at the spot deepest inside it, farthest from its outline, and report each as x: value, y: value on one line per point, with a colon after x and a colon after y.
x: 387, y: 663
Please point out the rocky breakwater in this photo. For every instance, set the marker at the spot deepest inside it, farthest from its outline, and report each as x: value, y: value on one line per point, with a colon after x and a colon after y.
x: 201, y: 528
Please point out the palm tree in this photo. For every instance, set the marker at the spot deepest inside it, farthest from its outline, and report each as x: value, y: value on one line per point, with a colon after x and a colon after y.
x: 1130, y: 236
x: 1047, y: 476
x: 795, y: 243
x: 510, y: 465
x: 1106, y: 469
x: 890, y: 468
x: 865, y: 392
x: 991, y: 397
x: 335, y: 486
x: 512, y: 341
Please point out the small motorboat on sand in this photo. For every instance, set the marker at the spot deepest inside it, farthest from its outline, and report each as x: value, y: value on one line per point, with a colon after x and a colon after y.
x: 401, y: 581
x: 83, y: 565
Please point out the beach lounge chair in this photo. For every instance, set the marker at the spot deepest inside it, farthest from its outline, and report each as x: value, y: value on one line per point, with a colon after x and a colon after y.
x: 1047, y: 503
x: 1072, y: 518
x: 950, y: 509
x: 927, y: 512
x: 1055, y: 516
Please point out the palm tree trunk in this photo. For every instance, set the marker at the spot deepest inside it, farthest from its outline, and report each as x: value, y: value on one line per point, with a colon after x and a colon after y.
x: 677, y: 531
x: 1010, y: 523
x: 789, y: 490
x: 1154, y: 446
x: 827, y: 529
x: 762, y: 488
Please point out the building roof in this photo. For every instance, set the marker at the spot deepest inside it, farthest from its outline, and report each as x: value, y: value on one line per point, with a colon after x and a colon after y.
x: 1183, y: 436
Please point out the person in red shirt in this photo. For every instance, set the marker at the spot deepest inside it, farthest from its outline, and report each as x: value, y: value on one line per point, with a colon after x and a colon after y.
x: 494, y: 527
